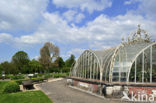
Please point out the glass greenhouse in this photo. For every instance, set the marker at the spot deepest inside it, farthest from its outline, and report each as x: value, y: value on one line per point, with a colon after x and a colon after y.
x: 134, y: 60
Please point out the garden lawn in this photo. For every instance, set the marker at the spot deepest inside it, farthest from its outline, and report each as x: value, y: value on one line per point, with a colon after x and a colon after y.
x: 25, y: 97
x: 2, y: 85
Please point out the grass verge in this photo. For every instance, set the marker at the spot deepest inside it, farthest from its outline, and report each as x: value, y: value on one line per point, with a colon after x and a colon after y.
x: 2, y: 85
x: 22, y: 97
x: 25, y: 97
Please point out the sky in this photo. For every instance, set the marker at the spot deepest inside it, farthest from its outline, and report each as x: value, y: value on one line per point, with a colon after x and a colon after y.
x: 72, y: 25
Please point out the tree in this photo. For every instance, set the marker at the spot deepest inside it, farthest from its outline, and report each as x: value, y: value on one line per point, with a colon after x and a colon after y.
x: 1, y: 69
x: 53, y: 50
x: 13, y: 69
x: 9, y: 68
x: 58, y: 65
x: 47, y: 54
x: 45, y: 57
x: 6, y: 67
x: 70, y: 61
x: 35, y: 66
x: 59, y: 62
x: 20, y: 59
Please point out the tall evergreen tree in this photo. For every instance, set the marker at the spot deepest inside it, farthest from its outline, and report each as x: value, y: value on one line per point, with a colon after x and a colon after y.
x: 70, y: 61
x: 59, y: 62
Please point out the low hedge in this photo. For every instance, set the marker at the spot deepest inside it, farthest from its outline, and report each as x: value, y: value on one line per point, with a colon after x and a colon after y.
x: 20, y: 80
x: 48, y: 75
x: 16, y: 77
x: 6, y: 77
x: 58, y: 75
x: 13, y: 77
x: 55, y: 75
x: 11, y: 87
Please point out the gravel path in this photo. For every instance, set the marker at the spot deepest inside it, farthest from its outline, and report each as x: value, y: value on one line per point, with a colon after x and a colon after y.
x: 60, y: 93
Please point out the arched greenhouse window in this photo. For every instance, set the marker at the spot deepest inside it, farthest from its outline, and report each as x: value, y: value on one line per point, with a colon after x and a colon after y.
x: 87, y: 66
x: 144, y: 68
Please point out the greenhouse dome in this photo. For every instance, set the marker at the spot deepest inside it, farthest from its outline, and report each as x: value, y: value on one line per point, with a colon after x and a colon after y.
x: 133, y: 61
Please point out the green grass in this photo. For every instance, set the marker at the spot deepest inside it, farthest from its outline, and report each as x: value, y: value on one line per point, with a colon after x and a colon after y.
x: 2, y: 85
x: 25, y: 97
x: 22, y: 97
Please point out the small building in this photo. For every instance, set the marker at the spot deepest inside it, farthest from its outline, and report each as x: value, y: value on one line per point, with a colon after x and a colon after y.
x: 131, y: 66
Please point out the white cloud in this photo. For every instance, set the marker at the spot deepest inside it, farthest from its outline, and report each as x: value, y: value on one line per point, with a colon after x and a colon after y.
x: 145, y: 7
x: 4, y: 37
x: 73, y: 16
x: 99, y: 33
x: 76, y: 52
x: 89, y: 5
x: 92, y: 5
x: 128, y: 2
x: 36, y: 58
x: 79, y: 17
x: 103, y: 32
x: 148, y: 8
x: 69, y: 15
x: 21, y: 14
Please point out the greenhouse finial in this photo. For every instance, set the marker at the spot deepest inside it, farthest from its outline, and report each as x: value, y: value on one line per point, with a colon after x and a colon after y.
x: 138, y: 35
x: 122, y: 39
x: 139, y: 30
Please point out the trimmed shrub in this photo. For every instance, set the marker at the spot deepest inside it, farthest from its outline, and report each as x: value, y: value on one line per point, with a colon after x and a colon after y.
x: 11, y: 87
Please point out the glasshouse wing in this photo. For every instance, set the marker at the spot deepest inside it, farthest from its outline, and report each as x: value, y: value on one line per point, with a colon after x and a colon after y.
x: 134, y: 60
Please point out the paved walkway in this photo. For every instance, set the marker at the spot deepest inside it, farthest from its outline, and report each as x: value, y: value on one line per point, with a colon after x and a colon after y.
x: 60, y: 93
x: 1, y: 80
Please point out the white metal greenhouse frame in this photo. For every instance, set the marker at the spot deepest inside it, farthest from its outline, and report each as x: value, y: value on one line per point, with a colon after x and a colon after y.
x: 115, y: 64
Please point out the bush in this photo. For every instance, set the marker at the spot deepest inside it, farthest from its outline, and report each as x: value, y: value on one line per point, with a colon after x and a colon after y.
x: 6, y: 77
x: 40, y: 75
x: 11, y: 87
x: 47, y: 76
x: 16, y: 77
x: 9, y: 76
x: 57, y: 75
x: 19, y: 81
